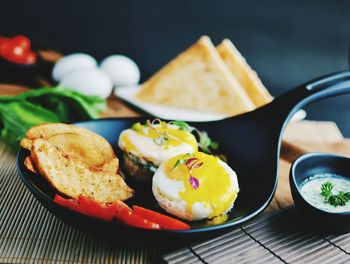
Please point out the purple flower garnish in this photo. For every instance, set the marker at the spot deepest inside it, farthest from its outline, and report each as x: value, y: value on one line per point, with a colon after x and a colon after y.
x: 194, y: 182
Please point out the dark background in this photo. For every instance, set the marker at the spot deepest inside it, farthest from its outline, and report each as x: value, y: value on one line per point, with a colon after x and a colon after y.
x: 287, y: 42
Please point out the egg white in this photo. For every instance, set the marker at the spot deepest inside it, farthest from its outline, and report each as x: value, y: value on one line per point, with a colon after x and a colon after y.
x: 147, y: 149
x: 166, y: 191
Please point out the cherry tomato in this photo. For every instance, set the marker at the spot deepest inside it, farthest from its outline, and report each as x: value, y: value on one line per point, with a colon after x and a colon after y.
x: 12, y: 53
x: 17, y: 50
x: 21, y: 41
x: 2, y: 42
x: 29, y: 57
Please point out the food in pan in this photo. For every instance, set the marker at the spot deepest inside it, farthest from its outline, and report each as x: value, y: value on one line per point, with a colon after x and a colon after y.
x: 137, y: 216
x: 79, y: 143
x: 146, y: 146
x: 75, y: 161
x: 197, y: 79
x: 73, y: 177
x: 93, y: 186
x: 84, y: 170
x: 195, y: 186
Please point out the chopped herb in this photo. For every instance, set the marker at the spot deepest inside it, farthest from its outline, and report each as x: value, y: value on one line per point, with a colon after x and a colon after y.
x: 176, y: 163
x: 336, y: 200
x: 326, y: 189
x: 160, y: 140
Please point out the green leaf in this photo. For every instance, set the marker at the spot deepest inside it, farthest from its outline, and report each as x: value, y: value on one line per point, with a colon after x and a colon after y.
x: 57, y: 104
x: 81, y: 107
x: 18, y: 117
x: 326, y: 189
x: 336, y: 200
x: 183, y: 125
x: 177, y: 163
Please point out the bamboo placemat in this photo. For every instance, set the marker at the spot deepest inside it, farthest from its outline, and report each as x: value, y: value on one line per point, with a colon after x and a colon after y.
x: 30, y: 234
x: 274, y: 238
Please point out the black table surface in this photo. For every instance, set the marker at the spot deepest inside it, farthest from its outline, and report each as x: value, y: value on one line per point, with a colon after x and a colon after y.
x: 286, y: 42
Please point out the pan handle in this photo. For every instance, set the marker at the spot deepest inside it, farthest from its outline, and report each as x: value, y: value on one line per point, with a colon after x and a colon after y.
x: 317, y: 89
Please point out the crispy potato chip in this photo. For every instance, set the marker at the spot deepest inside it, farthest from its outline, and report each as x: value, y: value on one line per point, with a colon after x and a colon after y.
x: 48, y: 130
x: 29, y: 164
x: 78, y: 147
x: 73, y: 177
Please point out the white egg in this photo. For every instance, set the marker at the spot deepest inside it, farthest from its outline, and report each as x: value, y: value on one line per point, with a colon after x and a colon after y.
x: 121, y: 69
x: 89, y: 81
x: 147, y: 148
x: 72, y: 62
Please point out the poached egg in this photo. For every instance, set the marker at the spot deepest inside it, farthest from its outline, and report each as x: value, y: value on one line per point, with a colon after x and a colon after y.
x: 195, y: 186
x: 156, y: 142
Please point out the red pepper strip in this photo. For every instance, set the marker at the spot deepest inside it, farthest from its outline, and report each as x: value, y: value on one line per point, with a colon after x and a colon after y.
x: 164, y: 221
x: 95, y: 209
x: 107, y: 212
x: 128, y: 216
x: 86, y: 206
x: 69, y: 203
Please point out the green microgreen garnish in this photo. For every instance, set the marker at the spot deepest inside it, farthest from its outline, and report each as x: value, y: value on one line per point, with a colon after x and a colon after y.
x: 206, y: 144
x: 339, y: 199
x: 181, y: 160
x: 191, y: 163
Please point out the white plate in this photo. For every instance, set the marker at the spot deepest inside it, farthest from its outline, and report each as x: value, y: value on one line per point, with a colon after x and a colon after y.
x: 175, y: 113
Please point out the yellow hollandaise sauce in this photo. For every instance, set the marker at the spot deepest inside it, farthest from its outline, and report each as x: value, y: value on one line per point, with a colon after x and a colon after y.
x: 157, y: 142
x: 165, y: 135
x: 205, y: 181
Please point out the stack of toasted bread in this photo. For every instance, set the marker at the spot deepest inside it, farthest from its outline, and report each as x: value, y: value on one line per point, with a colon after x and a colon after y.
x: 75, y: 161
x: 207, y: 78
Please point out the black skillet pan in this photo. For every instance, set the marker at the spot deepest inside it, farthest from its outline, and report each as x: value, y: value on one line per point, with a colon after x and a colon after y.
x: 251, y: 143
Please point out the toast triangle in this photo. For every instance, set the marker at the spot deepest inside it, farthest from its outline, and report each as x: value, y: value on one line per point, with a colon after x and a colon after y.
x: 197, y: 79
x: 244, y: 73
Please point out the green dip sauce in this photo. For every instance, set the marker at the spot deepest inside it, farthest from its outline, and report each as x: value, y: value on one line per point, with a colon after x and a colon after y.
x: 311, y: 191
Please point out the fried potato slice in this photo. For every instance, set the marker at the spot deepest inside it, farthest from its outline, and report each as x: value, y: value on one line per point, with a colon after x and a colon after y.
x: 29, y: 164
x: 73, y: 177
x: 111, y: 166
x: 78, y: 147
x: 48, y: 130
